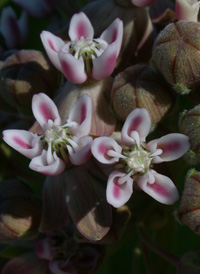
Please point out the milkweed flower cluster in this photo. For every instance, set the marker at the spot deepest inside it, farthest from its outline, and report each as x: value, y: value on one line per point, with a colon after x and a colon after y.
x: 84, y: 55
x: 133, y: 160
x: 59, y: 144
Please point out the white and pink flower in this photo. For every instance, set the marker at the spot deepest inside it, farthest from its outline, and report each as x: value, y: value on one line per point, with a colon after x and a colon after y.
x: 133, y: 160
x: 187, y: 10
x: 14, y: 31
x: 84, y: 56
x: 59, y: 144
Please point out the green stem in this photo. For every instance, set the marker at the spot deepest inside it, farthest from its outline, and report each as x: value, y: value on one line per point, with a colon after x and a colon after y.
x: 173, y: 259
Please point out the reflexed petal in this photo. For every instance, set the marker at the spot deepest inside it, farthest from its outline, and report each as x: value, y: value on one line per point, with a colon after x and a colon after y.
x: 72, y: 68
x: 61, y: 267
x: 162, y: 189
x: 114, y: 34
x: 104, y: 65
x: 44, y: 109
x: 41, y: 165
x: 28, y: 263
x: 138, y: 120
x: 35, y: 8
x: 52, y: 45
x: 43, y: 249
x: 143, y: 3
x: 23, y: 27
x: 80, y: 26
x: 173, y: 146
x: 187, y: 10
x: 83, y: 153
x: 118, y: 193
x: 23, y: 141
x: 9, y: 27
x: 81, y: 114
x: 100, y: 148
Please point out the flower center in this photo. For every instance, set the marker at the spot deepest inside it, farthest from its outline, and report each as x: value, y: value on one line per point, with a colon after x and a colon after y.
x: 138, y: 160
x: 56, y: 137
x: 87, y: 49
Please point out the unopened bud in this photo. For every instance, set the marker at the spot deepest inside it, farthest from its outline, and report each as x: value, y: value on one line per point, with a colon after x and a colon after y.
x: 19, y: 211
x: 190, y: 125
x: 23, y: 74
x: 189, y: 210
x: 176, y: 55
x: 139, y: 87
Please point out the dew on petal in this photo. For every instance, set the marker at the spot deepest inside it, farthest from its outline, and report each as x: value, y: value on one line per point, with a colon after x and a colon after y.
x: 21, y: 143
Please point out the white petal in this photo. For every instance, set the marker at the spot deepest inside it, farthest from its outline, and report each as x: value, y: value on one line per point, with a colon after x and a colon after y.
x: 44, y: 109
x: 100, y: 149
x: 173, y: 146
x: 187, y: 10
x: 104, y: 65
x: 114, y: 34
x: 52, y: 45
x: 81, y: 154
x: 138, y: 120
x: 41, y: 165
x: 72, y: 68
x: 118, y: 193
x: 81, y: 114
x: 80, y: 26
x: 161, y: 188
x: 23, y: 141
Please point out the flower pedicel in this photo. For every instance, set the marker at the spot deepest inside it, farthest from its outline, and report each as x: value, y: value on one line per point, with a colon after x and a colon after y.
x: 59, y: 144
x: 133, y: 160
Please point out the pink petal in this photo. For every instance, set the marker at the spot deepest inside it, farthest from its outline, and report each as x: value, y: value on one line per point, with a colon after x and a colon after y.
x: 104, y: 65
x: 173, y: 146
x: 83, y: 153
x: 143, y: 3
x: 81, y: 114
x: 9, y: 27
x: 114, y: 34
x: 80, y: 26
x: 41, y: 165
x: 187, y: 10
x: 44, y: 109
x: 52, y: 45
x: 72, y: 68
x: 162, y: 189
x: 138, y: 120
x: 23, y: 141
x: 100, y: 149
x: 118, y: 193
